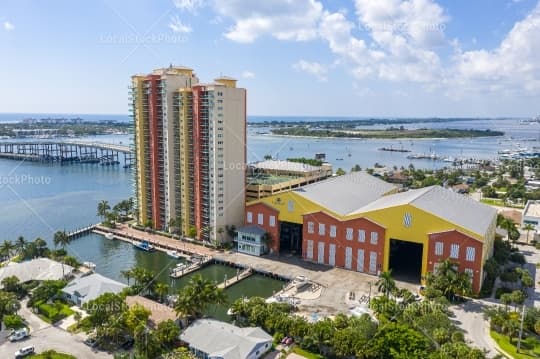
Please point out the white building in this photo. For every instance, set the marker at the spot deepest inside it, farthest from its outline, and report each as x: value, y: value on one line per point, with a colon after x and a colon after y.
x: 85, y: 289
x: 250, y: 240
x: 36, y: 269
x: 212, y: 339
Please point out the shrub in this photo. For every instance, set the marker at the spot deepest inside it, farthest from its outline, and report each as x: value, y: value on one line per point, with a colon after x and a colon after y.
x: 517, y: 257
x: 510, y: 276
x: 500, y: 291
x: 13, y: 321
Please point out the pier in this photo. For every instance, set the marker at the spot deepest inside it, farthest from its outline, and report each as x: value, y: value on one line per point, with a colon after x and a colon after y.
x: 186, y: 269
x: 64, y: 152
x: 232, y: 281
x: 81, y: 231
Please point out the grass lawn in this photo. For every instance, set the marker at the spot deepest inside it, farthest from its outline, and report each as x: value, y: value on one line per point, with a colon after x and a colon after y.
x: 530, y: 347
x: 492, y: 201
x: 306, y: 354
x: 53, y: 355
x: 58, y: 309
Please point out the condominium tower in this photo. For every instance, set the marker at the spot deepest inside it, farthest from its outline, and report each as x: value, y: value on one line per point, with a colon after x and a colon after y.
x: 190, y: 144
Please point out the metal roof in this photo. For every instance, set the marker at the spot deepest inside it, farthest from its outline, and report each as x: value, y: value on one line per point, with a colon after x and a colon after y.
x: 35, y: 269
x: 92, y: 286
x: 444, y: 203
x: 219, y: 339
x: 252, y: 229
x: 347, y: 193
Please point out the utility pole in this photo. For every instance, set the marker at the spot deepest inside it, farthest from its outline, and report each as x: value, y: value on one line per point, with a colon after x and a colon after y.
x: 521, y: 327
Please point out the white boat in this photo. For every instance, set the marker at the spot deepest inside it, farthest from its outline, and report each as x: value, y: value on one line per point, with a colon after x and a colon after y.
x: 109, y: 236
x: 173, y: 254
x: 89, y: 265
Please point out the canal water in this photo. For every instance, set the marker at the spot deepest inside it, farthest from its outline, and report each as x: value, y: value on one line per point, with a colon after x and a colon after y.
x: 113, y: 256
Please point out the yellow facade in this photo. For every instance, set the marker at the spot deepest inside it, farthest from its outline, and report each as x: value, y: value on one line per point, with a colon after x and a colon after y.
x: 422, y: 225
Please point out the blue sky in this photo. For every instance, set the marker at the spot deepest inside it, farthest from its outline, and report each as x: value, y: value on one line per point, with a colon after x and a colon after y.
x: 302, y: 57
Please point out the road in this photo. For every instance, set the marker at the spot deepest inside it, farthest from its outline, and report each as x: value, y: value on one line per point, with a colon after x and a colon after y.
x: 44, y: 336
x: 469, y: 317
x: 532, y: 256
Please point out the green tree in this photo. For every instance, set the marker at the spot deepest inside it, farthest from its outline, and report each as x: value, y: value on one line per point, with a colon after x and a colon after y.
x: 20, y: 245
x: 6, y: 249
x: 146, y: 343
x: 135, y: 316
x: 192, y: 233
x: 528, y: 227
x: 11, y: 284
x: 340, y: 172
x: 102, y: 208
x: 8, y: 304
x: 128, y: 274
x: 105, y: 308
x: 62, y: 239
x: 386, y: 284
x: 13, y: 321
x: 161, y: 289
x: 195, y: 297
x: 167, y: 333
x: 41, y: 246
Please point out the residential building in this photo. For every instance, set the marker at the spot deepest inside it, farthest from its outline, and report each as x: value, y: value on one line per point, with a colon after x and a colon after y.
x: 84, y: 289
x: 36, y: 269
x: 208, y: 338
x: 190, y: 145
x: 269, y: 177
x: 360, y: 222
x: 251, y: 240
x: 531, y: 214
x: 158, y: 312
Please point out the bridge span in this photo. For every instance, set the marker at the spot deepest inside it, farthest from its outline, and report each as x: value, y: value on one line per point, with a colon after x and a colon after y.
x: 68, y: 151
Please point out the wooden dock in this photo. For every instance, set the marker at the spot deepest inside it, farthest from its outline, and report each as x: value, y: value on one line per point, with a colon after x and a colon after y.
x: 232, y: 281
x: 179, y: 272
x: 81, y: 231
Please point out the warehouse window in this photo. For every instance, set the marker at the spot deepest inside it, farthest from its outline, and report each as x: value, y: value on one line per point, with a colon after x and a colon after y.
x: 260, y: 219
x: 361, y: 235
x: 349, y: 234
x: 249, y: 217
x: 439, y: 248
x: 454, y: 251
x: 311, y: 227
x: 333, y: 231
x: 321, y: 229
x: 272, y: 221
x: 374, y: 237
x: 470, y: 254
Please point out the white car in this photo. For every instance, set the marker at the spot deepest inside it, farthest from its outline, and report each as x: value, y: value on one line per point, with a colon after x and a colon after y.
x: 21, y: 353
x: 19, y: 334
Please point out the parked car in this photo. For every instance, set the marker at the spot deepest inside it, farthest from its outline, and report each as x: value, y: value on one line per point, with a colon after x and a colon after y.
x: 18, y: 334
x: 91, y: 342
x: 23, y: 352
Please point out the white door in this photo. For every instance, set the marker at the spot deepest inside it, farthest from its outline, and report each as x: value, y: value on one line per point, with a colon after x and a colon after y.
x: 332, y: 255
x: 309, y: 254
x: 348, y: 257
x: 320, y: 253
x: 372, y: 262
x: 360, y: 261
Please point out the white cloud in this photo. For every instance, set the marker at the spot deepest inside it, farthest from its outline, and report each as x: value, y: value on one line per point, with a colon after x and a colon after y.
x: 511, y: 67
x: 283, y: 19
x: 176, y: 25
x: 313, y: 68
x: 188, y: 5
x: 8, y: 26
x: 248, y: 74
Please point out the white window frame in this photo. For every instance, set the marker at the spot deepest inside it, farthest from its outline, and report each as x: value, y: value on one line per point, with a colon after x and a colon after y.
x: 322, y: 229
x: 260, y: 219
x: 272, y: 221
x: 454, y: 251
x: 333, y: 231
x: 439, y: 248
x: 349, y: 234
x: 470, y: 254
x: 249, y: 217
x: 311, y: 227
x: 361, y: 236
x: 374, y: 238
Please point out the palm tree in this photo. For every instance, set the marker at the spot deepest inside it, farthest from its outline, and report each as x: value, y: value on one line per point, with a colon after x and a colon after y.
x: 386, y: 283
x: 528, y: 227
x: 128, y: 274
x: 21, y: 244
x: 62, y: 239
x: 161, y: 289
x: 6, y: 249
x: 41, y: 246
x: 102, y: 208
x: 195, y: 297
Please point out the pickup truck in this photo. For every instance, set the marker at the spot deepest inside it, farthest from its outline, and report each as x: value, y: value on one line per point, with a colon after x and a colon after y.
x: 18, y: 334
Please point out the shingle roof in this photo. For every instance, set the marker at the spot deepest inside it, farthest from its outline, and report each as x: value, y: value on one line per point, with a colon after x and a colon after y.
x: 347, y: 193
x: 446, y: 204
x: 158, y: 312
x: 92, y: 286
x: 35, y: 269
x: 225, y: 340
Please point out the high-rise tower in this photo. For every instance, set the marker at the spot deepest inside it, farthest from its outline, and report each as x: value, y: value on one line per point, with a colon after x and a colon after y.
x: 190, y: 143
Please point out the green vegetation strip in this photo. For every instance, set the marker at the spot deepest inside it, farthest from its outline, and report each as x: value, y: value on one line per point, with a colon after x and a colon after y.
x: 530, y: 348
x: 306, y: 354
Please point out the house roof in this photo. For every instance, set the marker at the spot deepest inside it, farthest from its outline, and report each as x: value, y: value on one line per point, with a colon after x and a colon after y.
x: 224, y: 340
x: 92, y: 286
x: 158, y: 312
x: 252, y: 229
x: 35, y: 269
x: 347, y: 193
x: 446, y: 204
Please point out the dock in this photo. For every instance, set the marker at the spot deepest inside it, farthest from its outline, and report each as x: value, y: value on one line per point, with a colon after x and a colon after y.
x: 237, y: 278
x: 179, y: 272
x: 81, y: 231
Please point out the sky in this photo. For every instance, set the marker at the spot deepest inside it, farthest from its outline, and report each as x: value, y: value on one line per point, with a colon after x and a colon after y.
x: 384, y: 58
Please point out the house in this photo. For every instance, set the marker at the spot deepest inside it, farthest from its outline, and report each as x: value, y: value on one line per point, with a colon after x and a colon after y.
x: 251, y: 240
x: 85, y: 289
x: 208, y: 338
x: 531, y: 214
x: 36, y: 269
x: 158, y: 312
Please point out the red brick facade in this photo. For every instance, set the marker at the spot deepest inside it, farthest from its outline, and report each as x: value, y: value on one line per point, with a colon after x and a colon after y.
x: 265, y: 217
x: 464, y: 250
x: 356, y: 244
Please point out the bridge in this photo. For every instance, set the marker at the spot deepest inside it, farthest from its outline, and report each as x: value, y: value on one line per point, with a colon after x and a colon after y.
x: 64, y: 152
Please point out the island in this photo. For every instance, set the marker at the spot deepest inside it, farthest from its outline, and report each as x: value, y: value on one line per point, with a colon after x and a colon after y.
x: 62, y: 127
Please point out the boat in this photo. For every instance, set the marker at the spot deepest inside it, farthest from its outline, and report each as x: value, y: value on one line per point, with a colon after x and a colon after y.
x: 173, y: 254
x: 89, y: 265
x: 109, y: 236
x: 144, y: 246
x: 390, y: 149
x: 301, y: 282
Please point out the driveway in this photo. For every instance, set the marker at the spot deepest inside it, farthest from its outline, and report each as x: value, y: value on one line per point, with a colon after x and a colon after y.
x: 470, y: 318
